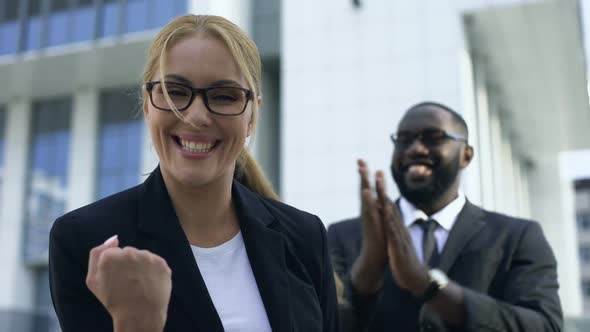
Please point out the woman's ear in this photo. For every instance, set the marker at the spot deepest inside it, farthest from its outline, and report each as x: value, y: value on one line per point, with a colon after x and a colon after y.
x: 249, y: 131
x: 144, y: 104
x: 251, y: 122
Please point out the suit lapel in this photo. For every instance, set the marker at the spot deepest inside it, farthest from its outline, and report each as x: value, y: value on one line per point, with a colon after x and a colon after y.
x: 266, y: 252
x: 469, y: 222
x: 165, y: 237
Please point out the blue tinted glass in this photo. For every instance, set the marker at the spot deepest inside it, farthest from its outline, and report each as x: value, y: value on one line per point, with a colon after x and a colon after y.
x: 39, y: 151
x: 131, y: 149
x: 137, y: 15
x: 109, y: 130
x: 131, y: 180
x: 47, y: 174
x: 107, y: 186
x: 163, y: 13
x: 2, y: 133
x: 33, y: 33
x: 59, y: 28
x: 165, y: 10
x: 84, y: 23
x: 9, y: 34
x: 109, y: 150
x: 110, y: 19
x: 120, y: 143
x: 180, y: 7
x: 2, y: 126
x: 119, y: 156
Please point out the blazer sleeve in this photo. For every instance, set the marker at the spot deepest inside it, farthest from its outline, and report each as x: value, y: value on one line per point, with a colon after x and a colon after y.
x: 530, y: 301
x: 76, y: 307
x: 356, y: 312
x: 328, y: 299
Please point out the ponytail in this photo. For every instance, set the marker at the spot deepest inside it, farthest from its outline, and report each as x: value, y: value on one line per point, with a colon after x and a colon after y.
x: 249, y: 173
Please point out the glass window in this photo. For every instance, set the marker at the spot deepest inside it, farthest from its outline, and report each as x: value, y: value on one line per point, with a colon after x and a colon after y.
x: 10, y: 10
x: 84, y: 17
x: 136, y: 15
x: 585, y: 254
x: 120, y: 142
x: 9, y: 27
x: 584, y: 221
x: 59, y: 23
x: 2, y: 135
x: 44, y: 318
x: 47, y: 183
x: 33, y: 25
x: 586, y: 287
x: 110, y: 12
x: 165, y: 10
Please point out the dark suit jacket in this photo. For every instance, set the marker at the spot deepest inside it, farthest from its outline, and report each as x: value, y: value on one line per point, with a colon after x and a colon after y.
x: 287, y: 249
x: 505, y: 265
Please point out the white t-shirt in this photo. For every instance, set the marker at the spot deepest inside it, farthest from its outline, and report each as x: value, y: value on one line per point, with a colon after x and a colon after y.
x: 229, y: 279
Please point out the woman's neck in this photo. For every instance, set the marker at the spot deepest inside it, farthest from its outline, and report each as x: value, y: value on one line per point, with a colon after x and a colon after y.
x: 205, y: 212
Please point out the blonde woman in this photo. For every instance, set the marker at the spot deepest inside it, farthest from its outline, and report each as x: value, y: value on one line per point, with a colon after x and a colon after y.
x: 202, y: 244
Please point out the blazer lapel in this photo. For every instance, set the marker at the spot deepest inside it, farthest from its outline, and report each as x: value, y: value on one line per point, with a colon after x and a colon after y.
x: 469, y: 222
x: 266, y: 252
x: 165, y: 237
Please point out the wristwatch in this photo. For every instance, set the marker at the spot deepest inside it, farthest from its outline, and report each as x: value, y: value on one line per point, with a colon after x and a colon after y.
x: 438, y: 281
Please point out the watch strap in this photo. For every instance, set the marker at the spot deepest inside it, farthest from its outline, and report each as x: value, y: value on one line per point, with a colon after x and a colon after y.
x: 430, y: 292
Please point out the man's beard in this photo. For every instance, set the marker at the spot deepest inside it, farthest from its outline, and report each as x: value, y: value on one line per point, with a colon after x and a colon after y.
x: 442, y: 178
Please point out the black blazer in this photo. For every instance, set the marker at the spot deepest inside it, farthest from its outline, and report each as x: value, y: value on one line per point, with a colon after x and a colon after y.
x: 505, y: 265
x: 287, y: 249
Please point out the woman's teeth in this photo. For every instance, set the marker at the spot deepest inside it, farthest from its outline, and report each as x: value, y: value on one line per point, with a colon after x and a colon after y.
x: 195, y: 147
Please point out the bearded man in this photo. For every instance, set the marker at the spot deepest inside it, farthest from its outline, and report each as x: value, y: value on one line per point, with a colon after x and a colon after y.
x: 431, y: 260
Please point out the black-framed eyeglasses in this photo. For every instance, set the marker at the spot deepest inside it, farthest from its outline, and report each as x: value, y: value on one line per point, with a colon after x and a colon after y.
x: 430, y: 137
x: 221, y: 100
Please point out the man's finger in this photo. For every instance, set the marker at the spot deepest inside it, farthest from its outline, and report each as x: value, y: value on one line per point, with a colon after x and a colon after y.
x: 364, y: 174
x: 95, y: 253
x: 367, y: 201
x: 380, y: 188
x: 391, y: 217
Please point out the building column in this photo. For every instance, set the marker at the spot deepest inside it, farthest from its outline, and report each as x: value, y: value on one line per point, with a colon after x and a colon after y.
x: 521, y: 188
x: 16, y: 280
x: 509, y: 180
x: 484, y: 147
x: 471, y: 178
x: 552, y: 195
x: 82, y: 164
x: 496, y: 158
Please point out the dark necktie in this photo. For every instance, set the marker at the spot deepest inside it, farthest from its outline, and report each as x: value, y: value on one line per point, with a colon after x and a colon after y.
x: 429, y: 247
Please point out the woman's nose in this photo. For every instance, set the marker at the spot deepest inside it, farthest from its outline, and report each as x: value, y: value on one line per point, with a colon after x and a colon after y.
x: 197, y: 113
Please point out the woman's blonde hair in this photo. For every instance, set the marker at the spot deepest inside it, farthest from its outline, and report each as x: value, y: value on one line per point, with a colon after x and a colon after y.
x: 245, y: 53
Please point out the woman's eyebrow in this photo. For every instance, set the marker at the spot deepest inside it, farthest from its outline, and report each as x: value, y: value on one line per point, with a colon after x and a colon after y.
x: 184, y: 80
x: 225, y: 83
x: 179, y: 78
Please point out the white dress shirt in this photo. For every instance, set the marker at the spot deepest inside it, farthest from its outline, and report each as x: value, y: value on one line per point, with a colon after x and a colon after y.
x: 445, y: 218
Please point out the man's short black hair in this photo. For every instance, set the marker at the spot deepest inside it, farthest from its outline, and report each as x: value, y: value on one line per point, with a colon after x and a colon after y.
x: 457, y: 118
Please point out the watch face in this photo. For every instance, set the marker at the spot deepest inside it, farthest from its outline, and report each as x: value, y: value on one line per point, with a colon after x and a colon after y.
x: 439, y: 277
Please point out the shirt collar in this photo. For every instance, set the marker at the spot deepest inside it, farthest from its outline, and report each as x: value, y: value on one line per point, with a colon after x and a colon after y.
x: 446, y: 217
